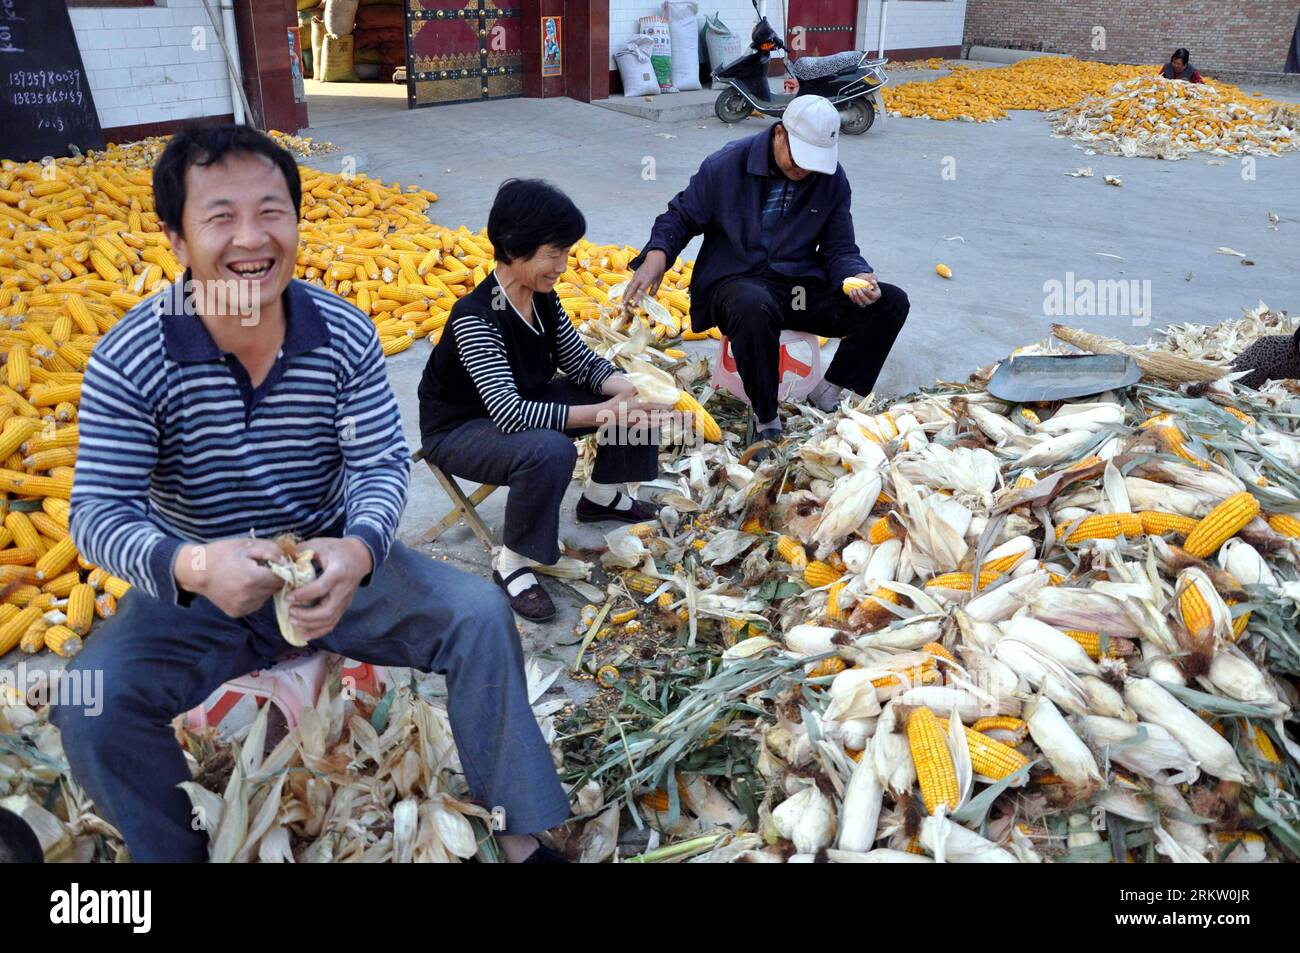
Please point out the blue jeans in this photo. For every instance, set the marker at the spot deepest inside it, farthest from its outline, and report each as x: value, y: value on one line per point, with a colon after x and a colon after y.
x: 161, y: 660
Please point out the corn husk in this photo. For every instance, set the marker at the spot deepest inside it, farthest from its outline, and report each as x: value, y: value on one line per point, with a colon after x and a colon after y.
x: 1210, y: 750
x: 1068, y: 755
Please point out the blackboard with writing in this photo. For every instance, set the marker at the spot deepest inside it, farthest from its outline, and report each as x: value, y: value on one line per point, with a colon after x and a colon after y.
x: 46, y: 105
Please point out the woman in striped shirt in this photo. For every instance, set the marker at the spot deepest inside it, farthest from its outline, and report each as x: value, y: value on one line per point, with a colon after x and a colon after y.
x: 493, y: 410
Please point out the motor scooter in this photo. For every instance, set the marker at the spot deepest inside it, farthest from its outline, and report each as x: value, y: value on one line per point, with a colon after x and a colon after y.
x: 849, y: 80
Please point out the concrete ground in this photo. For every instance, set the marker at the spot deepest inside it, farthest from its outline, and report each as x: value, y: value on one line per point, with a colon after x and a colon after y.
x: 991, y: 201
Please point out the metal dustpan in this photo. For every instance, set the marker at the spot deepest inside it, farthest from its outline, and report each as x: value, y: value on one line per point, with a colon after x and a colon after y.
x: 1031, y: 378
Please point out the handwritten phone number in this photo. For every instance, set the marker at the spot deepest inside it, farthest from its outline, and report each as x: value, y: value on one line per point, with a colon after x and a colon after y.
x: 44, y: 78
x: 50, y: 98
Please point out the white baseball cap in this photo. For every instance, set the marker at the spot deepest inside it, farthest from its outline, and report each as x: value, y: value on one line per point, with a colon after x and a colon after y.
x: 813, y: 125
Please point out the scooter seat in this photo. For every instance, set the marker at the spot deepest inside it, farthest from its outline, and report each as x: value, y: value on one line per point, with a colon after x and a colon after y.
x: 817, y: 67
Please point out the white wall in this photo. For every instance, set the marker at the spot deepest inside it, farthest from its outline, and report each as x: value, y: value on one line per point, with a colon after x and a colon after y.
x: 736, y: 14
x: 142, y: 66
x: 912, y: 24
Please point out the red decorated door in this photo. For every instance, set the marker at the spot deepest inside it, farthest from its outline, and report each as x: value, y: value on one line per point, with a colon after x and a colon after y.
x: 457, y: 54
x: 821, y: 27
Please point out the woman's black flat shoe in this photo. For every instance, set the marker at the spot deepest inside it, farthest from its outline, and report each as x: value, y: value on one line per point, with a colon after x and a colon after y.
x: 589, y: 512
x: 533, y: 603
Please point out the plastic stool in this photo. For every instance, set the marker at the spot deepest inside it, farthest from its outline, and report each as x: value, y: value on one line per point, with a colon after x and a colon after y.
x: 293, y: 683
x: 798, y: 378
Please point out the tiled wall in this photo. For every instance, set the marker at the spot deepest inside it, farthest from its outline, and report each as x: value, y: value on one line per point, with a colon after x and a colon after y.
x: 143, y: 66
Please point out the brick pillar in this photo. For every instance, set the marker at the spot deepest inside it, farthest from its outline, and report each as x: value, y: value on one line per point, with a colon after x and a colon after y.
x: 536, y: 85
x: 586, y: 25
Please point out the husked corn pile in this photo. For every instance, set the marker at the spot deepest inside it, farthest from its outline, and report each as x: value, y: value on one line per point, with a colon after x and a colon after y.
x: 1164, y: 119
x: 80, y: 244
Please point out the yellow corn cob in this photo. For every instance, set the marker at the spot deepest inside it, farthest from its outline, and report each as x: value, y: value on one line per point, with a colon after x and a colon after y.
x: 1029, y: 416
x: 1102, y: 526
x: 1003, y: 563
x: 1091, y: 642
x: 1195, y: 613
x: 1002, y: 723
x: 752, y: 525
x: 24, y: 533
x: 1173, y: 440
x: 57, y: 510
x: 618, y: 618
x: 792, y: 551
x: 1284, y: 524
x: 65, y: 412
x: 62, y: 585
x: 1025, y: 480
x: 880, y: 531
x: 1156, y: 523
x: 18, y: 368
x: 46, y: 440
x: 1240, y: 622
x: 62, y: 641
x: 96, y: 578
x: 49, y: 459
x: 934, y: 767
x: 55, y: 559
x: 1263, y: 743
x: 829, y: 666
x: 640, y: 582
x: 818, y: 574
x: 33, y: 639
x: 11, y: 632
x: 988, y: 756
x: 16, y: 432
x: 24, y: 484
x: 48, y: 526
x: 116, y: 587
x: 833, y: 607
x: 937, y: 649
x: 1245, y: 418
x: 709, y: 428
x: 963, y: 581
x: 105, y: 605
x: 1221, y: 524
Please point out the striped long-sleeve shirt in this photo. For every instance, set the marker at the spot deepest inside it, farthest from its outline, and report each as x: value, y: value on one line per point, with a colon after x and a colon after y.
x: 490, y: 360
x: 177, y: 446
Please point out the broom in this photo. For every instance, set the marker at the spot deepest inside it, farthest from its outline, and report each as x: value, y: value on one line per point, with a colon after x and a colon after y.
x: 1154, y: 364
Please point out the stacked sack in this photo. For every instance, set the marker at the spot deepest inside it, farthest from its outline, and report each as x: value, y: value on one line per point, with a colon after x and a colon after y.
x: 380, y: 36
x: 333, y: 46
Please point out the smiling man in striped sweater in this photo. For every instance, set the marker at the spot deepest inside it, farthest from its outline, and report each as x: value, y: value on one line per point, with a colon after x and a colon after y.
x: 242, y: 402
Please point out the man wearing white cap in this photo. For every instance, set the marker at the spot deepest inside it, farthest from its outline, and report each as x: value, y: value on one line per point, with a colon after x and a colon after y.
x: 778, y: 244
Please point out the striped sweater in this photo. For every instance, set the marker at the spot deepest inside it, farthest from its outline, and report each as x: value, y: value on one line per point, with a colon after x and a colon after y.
x: 489, y: 361
x: 177, y: 446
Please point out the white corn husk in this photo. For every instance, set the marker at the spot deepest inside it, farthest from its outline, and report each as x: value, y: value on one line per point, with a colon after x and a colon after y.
x: 972, y: 474
x: 849, y: 505
x: 952, y: 843
x: 857, y: 732
x: 976, y: 633
x: 1153, y: 703
x: 988, y: 673
x: 806, y: 640
x: 806, y: 818
x: 1051, y: 642
x: 1105, y: 700
x: 1126, y: 803
x: 1191, y: 837
x: 1160, y: 497
x: 1216, y: 481
x: 881, y: 855
x: 1169, y: 846
x: 1068, y: 755
x: 1247, y: 852
x: 970, y: 701
x: 882, y: 567
x: 1061, y: 448
x: 295, y: 575
x: 932, y: 544
x: 1007, y: 435
x: 710, y: 805
x: 910, y: 635
x: 860, y: 811
x: 1083, y: 417
x: 857, y: 555
x: 1117, y: 498
x: 891, y: 754
x: 1233, y: 674
x: 852, y: 695
x: 1055, y: 680
x: 955, y: 514
x: 1153, y: 757
x: 1007, y: 599
x: 749, y: 648
x: 1160, y: 667
x: 653, y: 385
x: 1085, y: 610
x: 864, y: 447
x: 1244, y: 563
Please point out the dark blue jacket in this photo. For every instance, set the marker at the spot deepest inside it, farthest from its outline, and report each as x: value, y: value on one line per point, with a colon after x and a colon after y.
x: 724, y: 200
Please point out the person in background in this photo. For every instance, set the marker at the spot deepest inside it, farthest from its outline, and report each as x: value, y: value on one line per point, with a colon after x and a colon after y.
x: 1272, y: 357
x: 774, y: 209
x: 1180, y: 67
x: 203, y: 417
x: 493, y: 410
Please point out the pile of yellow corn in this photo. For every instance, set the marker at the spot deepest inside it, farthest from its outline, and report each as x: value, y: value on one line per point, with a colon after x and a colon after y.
x: 981, y: 95
x: 1151, y: 116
